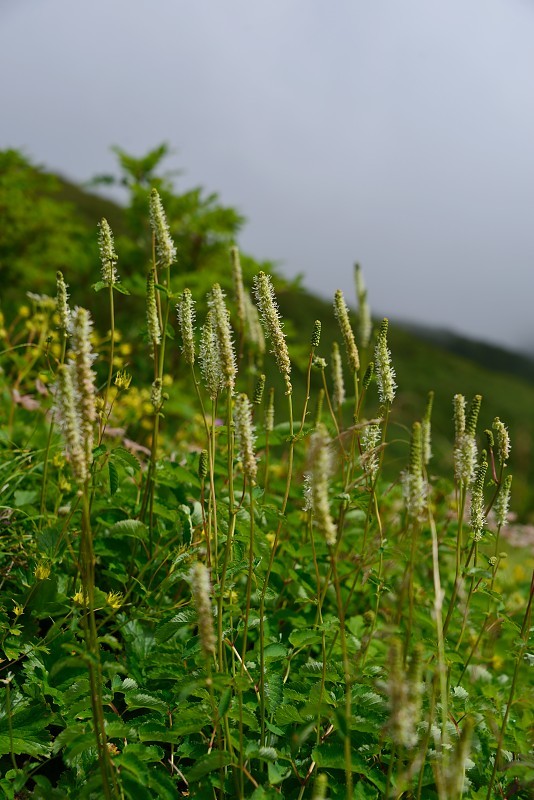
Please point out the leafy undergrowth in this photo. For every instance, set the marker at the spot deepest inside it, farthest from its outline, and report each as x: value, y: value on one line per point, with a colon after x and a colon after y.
x: 238, y: 608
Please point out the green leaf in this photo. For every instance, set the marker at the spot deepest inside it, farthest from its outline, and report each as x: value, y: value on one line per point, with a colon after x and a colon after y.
x: 332, y: 756
x: 130, y: 527
x: 145, y: 700
x: 214, y: 760
x: 224, y: 702
x: 275, y: 652
x: 274, y: 692
x: 118, y: 287
x: 304, y: 638
x: 24, y: 731
x: 113, y: 478
x: 99, y: 285
x: 287, y: 714
x: 128, y: 459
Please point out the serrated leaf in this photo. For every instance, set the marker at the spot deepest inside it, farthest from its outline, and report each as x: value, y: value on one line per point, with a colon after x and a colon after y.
x: 126, y: 457
x: 136, y: 699
x: 275, y: 652
x: 286, y: 715
x: 98, y: 286
x: 303, y: 638
x: 207, y: 763
x: 274, y: 692
x: 118, y: 287
x: 332, y: 756
x: 130, y: 527
x: 113, y: 478
x: 25, y: 730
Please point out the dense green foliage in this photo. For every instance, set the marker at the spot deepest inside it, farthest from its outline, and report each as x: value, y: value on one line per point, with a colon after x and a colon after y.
x: 194, y: 609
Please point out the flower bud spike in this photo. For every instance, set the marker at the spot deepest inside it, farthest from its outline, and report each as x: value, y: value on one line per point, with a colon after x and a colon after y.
x: 152, y: 320
x: 426, y: 429
x: 368, y: 375
x: 201, y: 590
x: 245, y: 438
x: 203, y: 464
x: 108, y: 256
x: 185, y: 310
x: 320, y: 469
x: 269, y: 413
x: 503, y: 440
x: 385, y: 374
x: 472, y: 415
x: 239, y: 289
x: 477, y: 515
x: 319, y: 407
x: 338, y: 396
x: 316, y: 335
x: 221, y: 318
x: 342, y: 316
x: 258, y: 390
x: 62, y: 304
x: 265, y: 298
x: 364, y: 313
x: 164, y: 244
x: 502, y: 503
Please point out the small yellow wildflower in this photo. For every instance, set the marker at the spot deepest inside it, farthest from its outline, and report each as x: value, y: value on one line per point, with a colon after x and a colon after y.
x: 24, y: 311
x: 270, y: 537
x: 123, y: 380
x: 42, y: 571
x: 80, y: 598
x: 18, y: 610
x: 125, y: 349
x: 114, y: 599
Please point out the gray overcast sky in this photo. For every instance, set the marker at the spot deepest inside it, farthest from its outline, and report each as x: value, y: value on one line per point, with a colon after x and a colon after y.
x: 399, y: 133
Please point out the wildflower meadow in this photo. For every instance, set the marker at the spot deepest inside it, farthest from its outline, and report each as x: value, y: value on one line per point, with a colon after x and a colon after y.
x: 227, y: 570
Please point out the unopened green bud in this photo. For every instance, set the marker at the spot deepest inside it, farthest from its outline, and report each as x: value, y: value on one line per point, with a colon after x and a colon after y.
x: 368, y: 375
x: 342, y: 316
x: 258, y: 390
x: 203, y: 464
x: 316, y: 335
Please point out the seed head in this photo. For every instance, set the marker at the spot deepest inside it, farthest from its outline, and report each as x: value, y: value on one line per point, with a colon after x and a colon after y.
x: 265, y: 298
x: 164, y: 244
x: 342, y: 316
x: 203, y: 464
x: 108, y: 256
x: 316, y: 335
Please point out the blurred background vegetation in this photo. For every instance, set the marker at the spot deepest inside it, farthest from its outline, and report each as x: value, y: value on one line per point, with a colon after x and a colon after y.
x: 50, y: 224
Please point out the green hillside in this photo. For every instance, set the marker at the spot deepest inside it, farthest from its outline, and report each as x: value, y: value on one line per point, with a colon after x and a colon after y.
x: 424, y: 359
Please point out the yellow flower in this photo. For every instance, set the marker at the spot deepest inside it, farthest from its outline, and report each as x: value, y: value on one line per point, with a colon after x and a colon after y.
x: 125, y: 349
x: 270, y: 537
x: 42, y: 571
x: 80, y: 598
x: 18, y: 610
x: 24, y: 311
x: 114, y: 599
x: 123, y: 380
